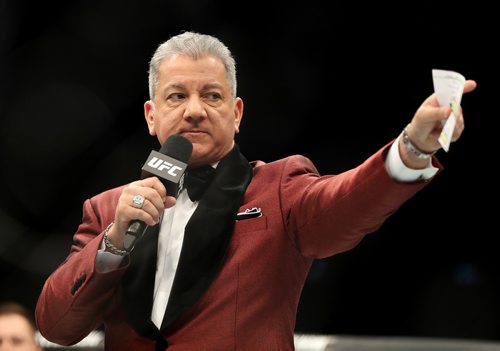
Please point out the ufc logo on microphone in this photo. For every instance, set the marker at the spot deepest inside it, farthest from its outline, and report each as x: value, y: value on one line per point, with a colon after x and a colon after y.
x: 164, y: 165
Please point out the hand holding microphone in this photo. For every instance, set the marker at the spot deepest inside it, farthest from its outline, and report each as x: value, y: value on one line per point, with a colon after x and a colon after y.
x: 141, y: 203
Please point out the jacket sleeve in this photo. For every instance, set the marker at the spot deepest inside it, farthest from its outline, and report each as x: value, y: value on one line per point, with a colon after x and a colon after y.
x: 325, y: 215
x: 74, y: 297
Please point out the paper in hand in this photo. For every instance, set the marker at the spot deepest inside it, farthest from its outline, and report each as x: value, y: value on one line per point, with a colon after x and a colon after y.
x: 449, y: 87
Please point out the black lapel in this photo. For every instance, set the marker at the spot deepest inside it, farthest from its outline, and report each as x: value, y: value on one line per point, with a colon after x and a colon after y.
x: 138, y: 283
x: 207, y: 234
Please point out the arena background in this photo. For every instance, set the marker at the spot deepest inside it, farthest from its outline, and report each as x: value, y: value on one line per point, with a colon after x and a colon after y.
x: 332, y: 81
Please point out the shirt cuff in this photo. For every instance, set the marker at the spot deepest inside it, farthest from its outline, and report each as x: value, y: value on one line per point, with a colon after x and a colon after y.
x: 399, y: 171
x: 106, y: 261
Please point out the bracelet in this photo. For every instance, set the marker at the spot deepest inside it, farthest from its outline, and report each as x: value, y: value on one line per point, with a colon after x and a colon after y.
x: 109, y: 245
x: 413, y: 149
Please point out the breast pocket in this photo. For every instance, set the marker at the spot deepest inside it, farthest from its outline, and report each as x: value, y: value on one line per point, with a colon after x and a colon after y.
x: 250, y: 224
x: 247, y: 233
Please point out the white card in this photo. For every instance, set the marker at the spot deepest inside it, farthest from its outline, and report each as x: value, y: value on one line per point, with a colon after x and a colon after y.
x: 449, y: 87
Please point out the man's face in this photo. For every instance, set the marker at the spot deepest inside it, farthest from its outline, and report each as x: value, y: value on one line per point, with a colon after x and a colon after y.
x: 16, y: 334
x: 193, y: 99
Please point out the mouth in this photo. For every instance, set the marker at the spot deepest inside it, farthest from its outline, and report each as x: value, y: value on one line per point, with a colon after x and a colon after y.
x: 193, y: 133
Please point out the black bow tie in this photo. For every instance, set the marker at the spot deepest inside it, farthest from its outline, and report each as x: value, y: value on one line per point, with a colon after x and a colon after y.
x: 197, y: 180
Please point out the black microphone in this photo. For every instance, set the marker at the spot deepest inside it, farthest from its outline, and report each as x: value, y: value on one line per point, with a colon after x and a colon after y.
x: 169, y: 164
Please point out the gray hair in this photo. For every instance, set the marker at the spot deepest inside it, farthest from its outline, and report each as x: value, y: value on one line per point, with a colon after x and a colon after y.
x: 196, y: 46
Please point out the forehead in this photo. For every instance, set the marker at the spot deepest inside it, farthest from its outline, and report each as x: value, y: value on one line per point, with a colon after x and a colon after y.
x: 13, y: 324
x: 183, y: 68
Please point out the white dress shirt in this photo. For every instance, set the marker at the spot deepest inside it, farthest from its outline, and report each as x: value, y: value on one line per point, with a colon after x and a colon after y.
x: 169, y: 249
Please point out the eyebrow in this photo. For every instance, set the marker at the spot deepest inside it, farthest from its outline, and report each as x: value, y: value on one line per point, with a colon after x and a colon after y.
x: 205, y: 87
x: 212, y: 86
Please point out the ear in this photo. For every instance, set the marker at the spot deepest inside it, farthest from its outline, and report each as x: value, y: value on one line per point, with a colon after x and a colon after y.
x: 149, y: 114
x: 238, y: 114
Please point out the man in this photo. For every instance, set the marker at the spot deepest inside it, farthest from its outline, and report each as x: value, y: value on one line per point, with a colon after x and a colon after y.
x: 17, y: 329
x: 224, y: 271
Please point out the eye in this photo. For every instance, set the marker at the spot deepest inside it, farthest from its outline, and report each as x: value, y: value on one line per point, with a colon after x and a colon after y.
x: 176, y: 97
x: 213, y: 96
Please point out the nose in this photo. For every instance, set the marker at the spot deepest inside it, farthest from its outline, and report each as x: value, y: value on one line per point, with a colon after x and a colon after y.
x: 195, y: 110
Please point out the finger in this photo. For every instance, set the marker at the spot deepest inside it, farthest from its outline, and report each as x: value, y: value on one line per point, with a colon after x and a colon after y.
x: 459, y: 126
x: 154, y: 183
x: 153, y: 203
x: 148, y: 212
x: 457, y: 132
x: 430, y: 115
x: 431, y: 101
x: 138, y: 203
x: 150, y: 187
x: 469, y: 85
x: 139, y: 200
x: 169, y: 200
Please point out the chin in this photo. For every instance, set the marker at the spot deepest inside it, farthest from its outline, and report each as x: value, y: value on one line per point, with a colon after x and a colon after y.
x: 198, y: 157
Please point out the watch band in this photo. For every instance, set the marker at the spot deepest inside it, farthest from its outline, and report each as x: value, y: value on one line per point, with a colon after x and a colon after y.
x: 413, y: 149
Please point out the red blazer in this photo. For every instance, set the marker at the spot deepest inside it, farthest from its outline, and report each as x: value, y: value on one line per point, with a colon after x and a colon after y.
x: 251, y: 304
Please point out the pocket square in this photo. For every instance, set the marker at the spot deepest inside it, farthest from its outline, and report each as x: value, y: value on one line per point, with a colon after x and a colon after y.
x: 253, y: 212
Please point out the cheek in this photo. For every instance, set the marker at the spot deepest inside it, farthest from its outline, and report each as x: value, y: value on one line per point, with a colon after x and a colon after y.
x: 163, y: 130
x: 222, y: 134
x: 228, y: 126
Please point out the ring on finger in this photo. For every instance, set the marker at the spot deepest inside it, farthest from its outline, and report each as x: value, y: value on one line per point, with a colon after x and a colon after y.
x: 138, y: 201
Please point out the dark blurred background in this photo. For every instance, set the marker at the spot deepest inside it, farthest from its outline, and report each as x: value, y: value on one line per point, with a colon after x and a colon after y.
x: 332, y: 81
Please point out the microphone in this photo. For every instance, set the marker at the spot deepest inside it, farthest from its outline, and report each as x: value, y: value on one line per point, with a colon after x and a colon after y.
x: 169, y: 164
